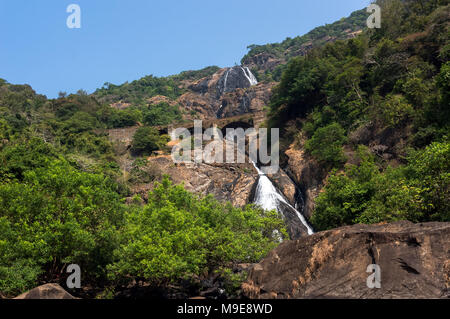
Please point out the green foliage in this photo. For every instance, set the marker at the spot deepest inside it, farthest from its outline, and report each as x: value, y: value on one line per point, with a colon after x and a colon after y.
x: 177, y: 235
x: 56, y: 216
x: 136, y: 91
x: 301, y: 87
x: 114, y: 118
x: 27, y: 154
x: 326, y: 144
x: 444, y: 86
x: 196, y: 75
x: 419, y: 191
x: 394, y: 110
x: 142, y: 172
x: 147, y: 140
x: 356, y: 21
x: 162, y: 114
x: 429, y: 169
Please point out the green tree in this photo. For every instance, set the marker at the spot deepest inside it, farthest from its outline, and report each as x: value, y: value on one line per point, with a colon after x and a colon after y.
x: 57, y: 216
x: 161, y: 114
x: 326, y: 144
x: 146, y: 140
x: 178, y: 235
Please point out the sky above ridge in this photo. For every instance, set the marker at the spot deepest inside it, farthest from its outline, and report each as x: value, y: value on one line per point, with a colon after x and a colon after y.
x: 123, y: 40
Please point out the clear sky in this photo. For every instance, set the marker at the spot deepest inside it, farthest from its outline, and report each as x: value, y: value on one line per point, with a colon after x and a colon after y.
x: 123, y: 40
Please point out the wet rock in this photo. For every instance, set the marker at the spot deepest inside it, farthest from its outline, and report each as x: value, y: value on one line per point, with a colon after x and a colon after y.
x: 237, y: 77
x: 226, y: 93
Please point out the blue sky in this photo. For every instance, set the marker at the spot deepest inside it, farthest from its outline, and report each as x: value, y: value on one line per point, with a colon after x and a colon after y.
x: 123, y: 40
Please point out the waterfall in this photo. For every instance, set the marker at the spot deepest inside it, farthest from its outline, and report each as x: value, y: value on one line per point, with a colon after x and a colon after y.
x: 226, y: 79
x: 269, y: 198
x: 249, y: 75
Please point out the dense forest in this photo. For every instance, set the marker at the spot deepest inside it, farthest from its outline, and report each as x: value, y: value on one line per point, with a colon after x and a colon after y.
x: 372, y: 111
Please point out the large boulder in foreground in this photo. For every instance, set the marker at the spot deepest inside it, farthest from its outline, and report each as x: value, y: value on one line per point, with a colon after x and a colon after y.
x: 414, y: 260
x: 48, y: 291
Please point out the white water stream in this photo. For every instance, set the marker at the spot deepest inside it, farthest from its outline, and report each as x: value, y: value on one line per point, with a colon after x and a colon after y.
x: 247, y: 73
x: 269, y: 198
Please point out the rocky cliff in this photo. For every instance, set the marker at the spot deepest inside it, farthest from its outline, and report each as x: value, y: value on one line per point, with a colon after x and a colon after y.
x: 414, y: 260
x: 226, y: 182
x: 307, y: 174
x: 228, y: 92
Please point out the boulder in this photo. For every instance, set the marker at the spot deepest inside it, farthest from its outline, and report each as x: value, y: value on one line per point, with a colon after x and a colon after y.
x: 48, y: 291
x: 414, y: 261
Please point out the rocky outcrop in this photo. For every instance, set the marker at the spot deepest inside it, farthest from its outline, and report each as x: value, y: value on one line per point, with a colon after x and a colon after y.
x: 242, y: 101
x: 237, y: 77
x: 307, y: 174
x: 48, y: 291
x: 414, y: 260
x: 227, y: 182
x: 262, y: 61
x: 160, y: 99
x: 226, y: 93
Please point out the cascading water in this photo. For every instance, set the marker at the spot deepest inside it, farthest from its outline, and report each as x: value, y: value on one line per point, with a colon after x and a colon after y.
x: 245, y: 71
x: 249, y: 75
x: 226, y: 79
x: 269, y: 198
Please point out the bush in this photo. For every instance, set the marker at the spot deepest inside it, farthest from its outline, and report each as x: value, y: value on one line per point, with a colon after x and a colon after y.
x: 326, y: 144
x: 394, y: 110
x: 418, y: 191
x: 161, y: 114
x: 346, y: 195
x: 147, y: 140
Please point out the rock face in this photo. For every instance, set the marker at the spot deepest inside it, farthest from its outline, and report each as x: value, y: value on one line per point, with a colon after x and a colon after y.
x: 48, y: 291
x: 263, y: 61
x: 414, y: 260
x: 242, y: 101
x: 307, y: 174
x: 227, y: 182
x: 237, y: 77
x: 226, y: 93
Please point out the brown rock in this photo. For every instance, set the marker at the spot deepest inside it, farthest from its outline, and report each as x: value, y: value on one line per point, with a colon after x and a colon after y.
x: 307, y: 174
x: 48, y: 291
x: 414, y: 261
x: 160, y: 99
x: 227, y: 182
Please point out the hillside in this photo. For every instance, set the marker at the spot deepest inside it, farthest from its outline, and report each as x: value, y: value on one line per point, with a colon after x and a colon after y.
x: 268, y: 61
x: 365, y: 121
x: 198, y: 93
x: 364, y: 118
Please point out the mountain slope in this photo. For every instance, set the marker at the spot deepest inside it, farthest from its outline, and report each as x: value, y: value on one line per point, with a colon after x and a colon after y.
x: 365, y: 121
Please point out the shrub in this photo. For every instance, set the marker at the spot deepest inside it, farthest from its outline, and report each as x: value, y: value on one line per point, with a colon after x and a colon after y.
x: 326, y: 144
x: 146, y: 140
x: 394, y: 110
x: 161, y: 114
x: 418, y: 191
